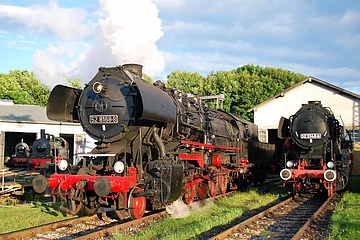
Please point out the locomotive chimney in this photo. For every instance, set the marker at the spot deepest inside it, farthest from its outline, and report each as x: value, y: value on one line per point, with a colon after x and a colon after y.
x: 314, y: 102
x: 42, y: 133
x: 135, y: 68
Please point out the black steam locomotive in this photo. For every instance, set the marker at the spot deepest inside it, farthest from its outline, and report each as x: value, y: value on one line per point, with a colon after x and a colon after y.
x: 45, y: 152
x: 48, y: 150
x: 155, y: 145
x: 317, y: 150
x: 21, y: 156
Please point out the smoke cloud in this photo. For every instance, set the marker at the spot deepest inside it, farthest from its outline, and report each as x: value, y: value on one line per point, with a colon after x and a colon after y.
x: 125, y: 32
x: 179, y: 209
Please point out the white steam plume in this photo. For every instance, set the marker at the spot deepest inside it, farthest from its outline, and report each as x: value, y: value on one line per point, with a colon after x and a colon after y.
x: 179, y: 209
x: 126, y: 32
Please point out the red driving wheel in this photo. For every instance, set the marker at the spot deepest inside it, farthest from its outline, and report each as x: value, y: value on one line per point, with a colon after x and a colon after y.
x: 202, y: 190
x: 213, y: 186
x: 331, y: 190
x: 190, y: 193
x: 223, y: 181
x: 136, y: 205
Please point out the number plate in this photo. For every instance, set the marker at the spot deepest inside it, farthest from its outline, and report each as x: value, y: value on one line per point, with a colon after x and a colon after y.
x: 310, y: 135
x: 103, y: 119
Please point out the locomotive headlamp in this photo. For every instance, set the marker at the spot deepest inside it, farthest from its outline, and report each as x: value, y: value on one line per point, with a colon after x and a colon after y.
x: 285, y: 174
x: 62, y: 164
x: 330, y: 175
x: 119, y: 167
x: 97, y: 87
x: 330, y: 164
x: 289, y: 164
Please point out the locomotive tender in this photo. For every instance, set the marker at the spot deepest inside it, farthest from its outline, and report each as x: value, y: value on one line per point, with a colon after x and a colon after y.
x: 155, y: 145
x: 317, y: 150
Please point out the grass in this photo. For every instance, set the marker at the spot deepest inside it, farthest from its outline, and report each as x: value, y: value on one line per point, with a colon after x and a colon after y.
x: 202, y: 220
x: 345, y: 222
x: 24, y: 216
x: 15, y: 216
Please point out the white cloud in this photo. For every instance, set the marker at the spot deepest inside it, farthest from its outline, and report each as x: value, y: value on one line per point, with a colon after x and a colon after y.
x: 248, y: 47
x: 205, y: 62
x: 66, y: 23
x: 120, y: 37
x: 27, y: 42
x: 191, y: 26
x: 349, y: 40
x: 281, y: 26
x: 54, y: 63
x: 320, y: 72
x: 350, y: 18
x: 20, y: 45
x: 200, y: 36
x: 171, y: 4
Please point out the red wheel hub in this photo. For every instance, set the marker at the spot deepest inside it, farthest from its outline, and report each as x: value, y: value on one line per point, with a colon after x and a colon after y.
x: 213, y: 186
x: 331, y: 190
x: 223, y: 181
x: 202, y: 190
x: 189, y: 194
x: 136, y: 205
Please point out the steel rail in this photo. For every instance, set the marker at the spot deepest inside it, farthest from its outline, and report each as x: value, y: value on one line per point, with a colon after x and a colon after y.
x: 108, y: 231
x: 153, y: 217
x: 47, y: 227
x: 231, y: 230
x: 298, y: 234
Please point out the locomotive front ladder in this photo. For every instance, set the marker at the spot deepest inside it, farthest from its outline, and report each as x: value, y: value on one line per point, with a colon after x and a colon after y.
x: 356, y: 120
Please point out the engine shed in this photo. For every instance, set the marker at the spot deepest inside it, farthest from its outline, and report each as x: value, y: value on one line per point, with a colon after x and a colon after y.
x: 344, y: 104
x: 25, y: 122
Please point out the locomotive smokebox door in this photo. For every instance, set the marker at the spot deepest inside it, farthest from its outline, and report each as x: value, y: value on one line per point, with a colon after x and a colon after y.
x: 62, y: 103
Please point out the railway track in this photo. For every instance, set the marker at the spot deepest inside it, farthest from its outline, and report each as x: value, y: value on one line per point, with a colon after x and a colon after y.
x: 289, y: 219
x: 317, y: 227
x: 93, y: 227
x: 51, y: 227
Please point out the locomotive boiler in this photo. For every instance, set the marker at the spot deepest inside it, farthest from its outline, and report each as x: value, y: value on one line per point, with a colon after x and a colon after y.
x: 154, y: 146
x: 317, y: 150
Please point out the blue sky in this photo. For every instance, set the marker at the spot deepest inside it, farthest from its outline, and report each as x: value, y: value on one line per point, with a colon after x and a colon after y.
x: 72, y: 38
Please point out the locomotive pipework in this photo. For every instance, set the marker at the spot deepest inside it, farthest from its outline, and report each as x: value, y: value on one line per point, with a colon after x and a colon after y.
x: 155, y: 145
x: 315, y: 147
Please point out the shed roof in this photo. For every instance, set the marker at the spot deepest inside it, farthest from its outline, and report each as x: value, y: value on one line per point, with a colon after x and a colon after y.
x: 20, y: 113
x: 309, y: 80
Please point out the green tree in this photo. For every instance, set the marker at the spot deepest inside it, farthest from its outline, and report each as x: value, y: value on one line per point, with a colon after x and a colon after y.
x: 74, y: 83
x: 147, y: 78
x: 187, y: 81
x: 244, y: 87
x: 24, y: 88
x: 11, y: 89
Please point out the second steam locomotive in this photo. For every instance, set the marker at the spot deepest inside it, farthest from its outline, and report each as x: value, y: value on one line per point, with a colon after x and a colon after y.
x: 155, y: 146
x: 317, y: 150
x: 44, y: 151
